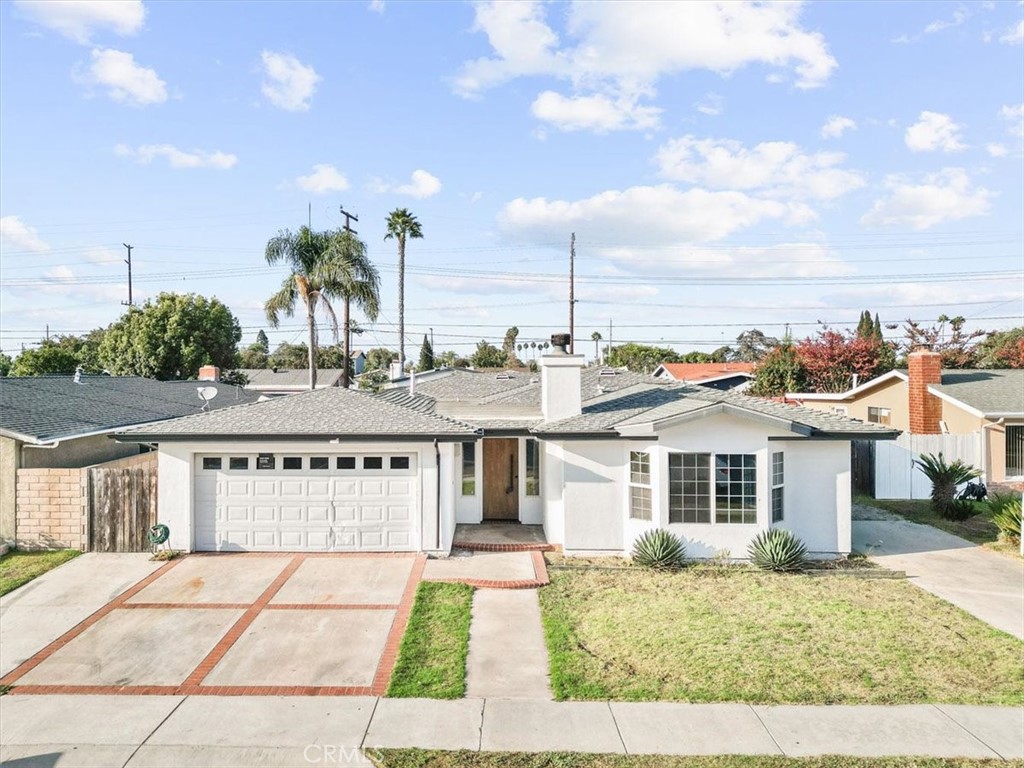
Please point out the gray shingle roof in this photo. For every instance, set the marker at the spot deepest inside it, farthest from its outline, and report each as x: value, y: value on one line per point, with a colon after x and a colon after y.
x: 325, y: 413
x: 643, y: 404
x: 290, y: 377
x: 49, y: 408
x: 462, y: 385
x: 989, y: 391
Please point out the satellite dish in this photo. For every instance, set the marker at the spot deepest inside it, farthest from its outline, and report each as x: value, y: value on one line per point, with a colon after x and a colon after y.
x: 206, y: 394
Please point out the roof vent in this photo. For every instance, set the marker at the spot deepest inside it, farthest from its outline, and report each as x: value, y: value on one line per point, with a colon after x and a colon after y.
x: 78, y: 375
x: 608, y: 372
x: 504, y: 376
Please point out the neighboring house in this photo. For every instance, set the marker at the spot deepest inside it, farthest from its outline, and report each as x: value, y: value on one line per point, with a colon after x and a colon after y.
x: 715, y: 375
x: 66, y: 422
x: 287, y: 381
x: 594, y: 456
x: 927, y: 400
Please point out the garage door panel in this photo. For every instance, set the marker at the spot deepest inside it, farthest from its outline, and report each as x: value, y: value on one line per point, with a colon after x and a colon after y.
x: 344, y: 510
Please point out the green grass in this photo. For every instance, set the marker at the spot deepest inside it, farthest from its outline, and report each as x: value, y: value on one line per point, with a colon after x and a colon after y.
x: 707, y: 635
x: 17, y: 568
x: 419, y: 758
x: 978, y: 529
x: 432, y: 658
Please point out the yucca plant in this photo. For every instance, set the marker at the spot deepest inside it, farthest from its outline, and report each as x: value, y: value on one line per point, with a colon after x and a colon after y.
x: 945, y: 477
x: 778, y: 550
x: 1007, y: 519
x: 659, y: 548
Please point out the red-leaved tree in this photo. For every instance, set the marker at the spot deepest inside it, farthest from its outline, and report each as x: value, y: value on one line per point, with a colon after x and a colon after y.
x: 830, y: 360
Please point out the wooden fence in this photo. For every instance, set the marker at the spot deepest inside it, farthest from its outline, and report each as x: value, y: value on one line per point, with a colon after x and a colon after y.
x: 121, y: 504
x: 898, y: 477
x: 862, y: 466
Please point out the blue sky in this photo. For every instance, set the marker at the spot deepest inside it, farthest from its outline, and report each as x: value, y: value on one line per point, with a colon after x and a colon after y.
x: 723, y: 167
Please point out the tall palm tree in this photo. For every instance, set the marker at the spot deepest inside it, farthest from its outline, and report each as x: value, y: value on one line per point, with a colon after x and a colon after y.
x: 596, y: 336
x: 358, y: 283
x: 323, y: 265
x: 402, y: 225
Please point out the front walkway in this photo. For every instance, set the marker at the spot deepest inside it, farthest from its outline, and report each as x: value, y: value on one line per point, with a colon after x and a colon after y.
x: 985, y: 584
x: 138, y: 731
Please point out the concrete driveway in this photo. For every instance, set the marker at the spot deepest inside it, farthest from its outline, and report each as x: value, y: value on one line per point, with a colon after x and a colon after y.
x: 233, y: 624
x: 986, y: 584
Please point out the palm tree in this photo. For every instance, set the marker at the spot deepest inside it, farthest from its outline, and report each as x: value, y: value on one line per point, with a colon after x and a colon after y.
x: 401, y: 225
x: 596, y: 336
x: 359, y: 283
x: 323, y: 265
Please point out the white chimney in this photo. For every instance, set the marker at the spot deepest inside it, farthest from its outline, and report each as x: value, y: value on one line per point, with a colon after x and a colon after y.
x: 412, y: 382
x: 560, y: 381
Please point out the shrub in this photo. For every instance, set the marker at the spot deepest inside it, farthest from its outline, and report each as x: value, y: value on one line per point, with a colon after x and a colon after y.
x: 1007, y: 520
x: 778, y: 550
x: 659, y: 549
x: 945, y: 478
x: 960, y: 510
x: 997, y: 501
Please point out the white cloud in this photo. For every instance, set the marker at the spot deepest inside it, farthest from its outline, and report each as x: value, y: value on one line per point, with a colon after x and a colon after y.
x: 177, y: 158
x: 996, y: 150
x: 960, y: 15
x: 377, y: 6
x: 421, y: 185
x: 712, y: 104
x: 796, y: 259
x: 16, y: 235
x: 288, y: 83
x: 934, y: 131
x: 125, y: 80
x: 79, y: 19
x: 598, y: 113
x: 660, y: 215
x: 948, y: 195
x: 1015, y: 115
x: 836, y: 126
x: 324, y: 178
x: 1013, y: 35
x: 621, y: 50
x: 778, y: 168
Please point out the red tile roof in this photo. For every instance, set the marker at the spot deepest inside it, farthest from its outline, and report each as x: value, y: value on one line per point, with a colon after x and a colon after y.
x: 702, y: 371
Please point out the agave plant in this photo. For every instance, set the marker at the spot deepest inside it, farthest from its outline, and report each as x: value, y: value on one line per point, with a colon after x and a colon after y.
x: 945, y: 477
x: 1007, y: 518
x: 778, y: 550
x: 659, y: 548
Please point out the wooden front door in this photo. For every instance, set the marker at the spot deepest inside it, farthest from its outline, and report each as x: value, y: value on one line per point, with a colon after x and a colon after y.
x: 501, y: 478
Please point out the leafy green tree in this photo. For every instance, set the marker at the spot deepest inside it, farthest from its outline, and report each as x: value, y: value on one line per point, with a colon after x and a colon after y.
x: 948, y: 337
x: 640, y: 357
x: 380, y: 359
x: 170, y: 337
x: 779, y: 372
x: 289, y: 356
x: 752, y: 346
x: 426, y: 355
x: 253, y: 356
x: 487, y: 356
x: 5, y: 364
x: 49, y: 358
x: 865, y: 326
x: 1002, y: 349
x: 508, y: 346
x: 697, y: 357
x: 262, y: 341
x: 402, y: 225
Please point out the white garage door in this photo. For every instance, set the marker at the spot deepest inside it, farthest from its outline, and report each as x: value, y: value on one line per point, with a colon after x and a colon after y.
x: 303, y: 502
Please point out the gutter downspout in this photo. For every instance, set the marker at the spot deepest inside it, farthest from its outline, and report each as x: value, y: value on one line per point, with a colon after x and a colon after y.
x: 437, y: 459
x: 984, y: 448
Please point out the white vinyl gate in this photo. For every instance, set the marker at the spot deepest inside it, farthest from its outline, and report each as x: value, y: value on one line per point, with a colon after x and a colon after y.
x: 307, y: 503
x: 897, y: 476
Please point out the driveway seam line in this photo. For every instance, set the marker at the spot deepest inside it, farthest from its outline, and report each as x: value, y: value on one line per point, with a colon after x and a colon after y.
x: 369, y: 722
x: 480, y: 729
x: 968, y: 731
x: 157, y: 728
x: 767, y: 730
x: 618, y: 731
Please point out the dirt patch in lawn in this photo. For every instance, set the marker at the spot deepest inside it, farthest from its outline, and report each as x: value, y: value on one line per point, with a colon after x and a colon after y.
x: 710, y: 635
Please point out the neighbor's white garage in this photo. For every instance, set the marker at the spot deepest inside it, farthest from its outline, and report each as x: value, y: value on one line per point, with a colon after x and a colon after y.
x: 307, y: 502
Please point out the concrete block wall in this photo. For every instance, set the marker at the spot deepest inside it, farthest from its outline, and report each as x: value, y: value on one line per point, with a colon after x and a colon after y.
x: 51, y: 509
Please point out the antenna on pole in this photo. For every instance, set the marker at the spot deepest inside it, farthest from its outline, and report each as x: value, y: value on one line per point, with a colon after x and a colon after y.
x: 572, y: 292
x: 128, y: 261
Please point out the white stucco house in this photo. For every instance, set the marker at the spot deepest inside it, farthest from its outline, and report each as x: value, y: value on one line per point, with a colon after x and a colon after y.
x: 594, y: 456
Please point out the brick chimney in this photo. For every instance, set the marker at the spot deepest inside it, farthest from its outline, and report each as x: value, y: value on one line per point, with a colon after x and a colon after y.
x: 925, y: 368
x: 209, y: 373
x: 561, y: 397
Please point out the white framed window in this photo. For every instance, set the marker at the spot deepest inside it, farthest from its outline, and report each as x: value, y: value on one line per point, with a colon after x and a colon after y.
x: 689, y: 488
x: 211, y: 462
x: 736, y: 488
x: 778, y: 483
x: 639, y: 485
x: 879, y: 415
x: 469, y: 469
x: 532, y: 467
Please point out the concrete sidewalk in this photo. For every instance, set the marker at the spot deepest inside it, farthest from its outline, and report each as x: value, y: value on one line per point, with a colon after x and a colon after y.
x: 986, y: 584
x: 137, y: 731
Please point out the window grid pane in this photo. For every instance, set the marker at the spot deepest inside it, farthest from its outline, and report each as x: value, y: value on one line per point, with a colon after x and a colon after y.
x: 689, y: 488
x: 291, y: 462
x: 238, y: 462
x: 735, y: 488
x: 532, y: 468
x: 639, y: 502
x: 640, y: 482
x: 211, y: 462
x: 346, y: 462
x: 778, y: 481
x: 469, y: 469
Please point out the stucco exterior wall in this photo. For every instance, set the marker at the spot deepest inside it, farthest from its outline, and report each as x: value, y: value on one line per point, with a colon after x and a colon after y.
x: 891, y: 395
x: 9, y: 464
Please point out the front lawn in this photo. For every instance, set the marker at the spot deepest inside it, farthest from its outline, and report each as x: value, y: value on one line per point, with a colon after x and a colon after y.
x: 17, y: 568
x: 706, y: 635
x: 420, y: 758
x: 432, y: 658
x: 979, y: 529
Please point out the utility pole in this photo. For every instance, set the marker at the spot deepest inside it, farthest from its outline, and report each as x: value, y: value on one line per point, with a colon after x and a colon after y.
x: 128, y: 261
x: 348, y: 216
x: 432, y: 340
x: 47, y: 331
x: 608, y: 354
x: 572, y: 291
x: 347, y: 321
